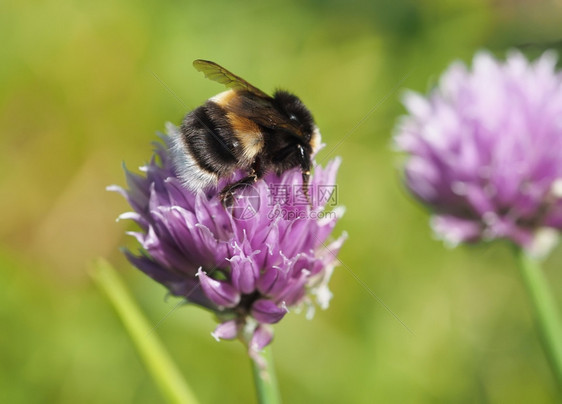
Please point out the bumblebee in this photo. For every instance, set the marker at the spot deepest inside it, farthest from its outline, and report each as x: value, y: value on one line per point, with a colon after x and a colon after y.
x: 243, y: 128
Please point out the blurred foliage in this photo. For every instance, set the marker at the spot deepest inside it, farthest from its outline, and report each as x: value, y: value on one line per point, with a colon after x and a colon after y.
x: 85, y: 85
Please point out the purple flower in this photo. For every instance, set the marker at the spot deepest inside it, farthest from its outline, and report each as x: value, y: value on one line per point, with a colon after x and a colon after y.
x: 485, y: 150
x: 249, y: 262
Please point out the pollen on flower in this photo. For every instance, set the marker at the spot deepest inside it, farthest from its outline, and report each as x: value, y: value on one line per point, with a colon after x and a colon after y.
x: 459, y: 188
x: 323, y: 297
x: 490, y: 218
x: 556, y: 188
x: 545, y: 240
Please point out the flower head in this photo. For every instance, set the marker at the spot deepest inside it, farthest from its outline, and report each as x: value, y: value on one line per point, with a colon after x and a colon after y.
x: 248, y: 262
x: 485, y: 149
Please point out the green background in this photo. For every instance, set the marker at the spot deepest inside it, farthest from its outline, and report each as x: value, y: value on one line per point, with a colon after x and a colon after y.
x: 81, y: 91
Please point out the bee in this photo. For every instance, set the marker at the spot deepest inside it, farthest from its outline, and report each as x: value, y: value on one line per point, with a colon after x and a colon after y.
x: 243, y: 128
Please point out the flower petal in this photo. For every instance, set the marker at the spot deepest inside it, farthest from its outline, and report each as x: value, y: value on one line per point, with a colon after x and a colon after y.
x: 226, y: 330
x: 221, y: 293
x: 265, y: 311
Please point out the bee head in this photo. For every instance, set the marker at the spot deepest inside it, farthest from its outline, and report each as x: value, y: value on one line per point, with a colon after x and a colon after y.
x: 296, y: 113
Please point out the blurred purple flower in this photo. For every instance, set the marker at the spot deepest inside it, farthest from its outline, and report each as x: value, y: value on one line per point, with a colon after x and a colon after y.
x: 248, y: 263
x: 485, y: 150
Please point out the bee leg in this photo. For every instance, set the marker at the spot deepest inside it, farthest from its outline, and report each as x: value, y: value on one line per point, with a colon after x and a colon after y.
x: 305, y: 178
x: 305, y: 170
x: 227, y: 194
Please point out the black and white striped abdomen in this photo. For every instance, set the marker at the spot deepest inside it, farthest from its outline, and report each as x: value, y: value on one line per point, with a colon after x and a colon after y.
x: 204, y: 147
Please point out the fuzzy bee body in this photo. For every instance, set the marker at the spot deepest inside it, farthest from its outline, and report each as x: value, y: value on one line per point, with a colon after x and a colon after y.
x: 243, y: 128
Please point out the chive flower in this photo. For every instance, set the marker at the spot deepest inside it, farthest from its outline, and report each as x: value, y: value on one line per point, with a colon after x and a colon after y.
x: 484, y: 151
x: 249, y: 262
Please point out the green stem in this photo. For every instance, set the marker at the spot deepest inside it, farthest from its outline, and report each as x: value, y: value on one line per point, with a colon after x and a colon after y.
x: 156, y: 359
x: 545, y: 311
x: 266, y: 382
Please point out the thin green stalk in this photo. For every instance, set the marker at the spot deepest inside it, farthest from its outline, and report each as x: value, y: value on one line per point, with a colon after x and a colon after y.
x: 265, y: 380
x: 545, y: 311
x: 156, y: 359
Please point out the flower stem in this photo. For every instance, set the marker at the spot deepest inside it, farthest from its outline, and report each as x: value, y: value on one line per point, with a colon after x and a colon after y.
x: 265, y: 380
x: 545, y: 311
x: 157, y: 360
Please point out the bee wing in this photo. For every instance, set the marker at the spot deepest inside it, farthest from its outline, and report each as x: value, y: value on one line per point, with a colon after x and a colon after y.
x: 219, y: 74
